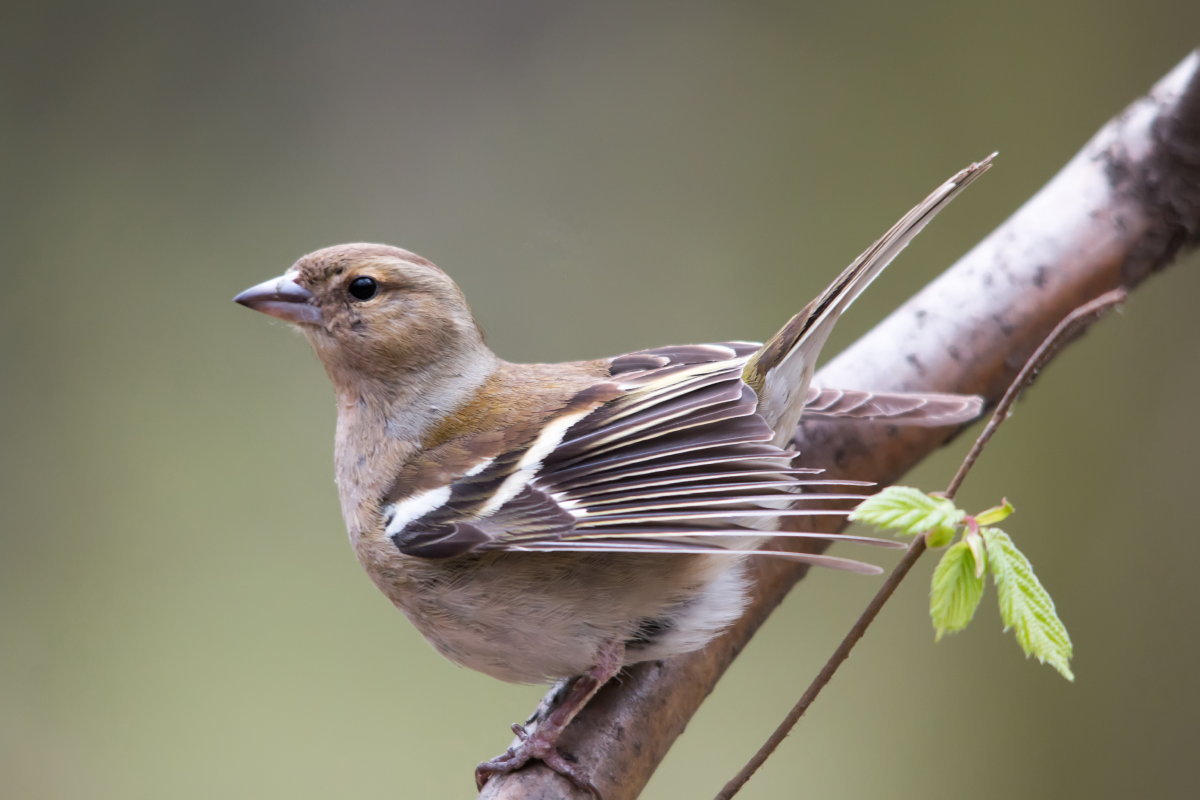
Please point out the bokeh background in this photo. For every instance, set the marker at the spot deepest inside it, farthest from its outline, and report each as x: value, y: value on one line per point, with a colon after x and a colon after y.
x: 180, y: 614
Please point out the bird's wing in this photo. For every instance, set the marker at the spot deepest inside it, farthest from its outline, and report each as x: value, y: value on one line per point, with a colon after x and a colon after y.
x: 781, y: 371
x: 668, y: 454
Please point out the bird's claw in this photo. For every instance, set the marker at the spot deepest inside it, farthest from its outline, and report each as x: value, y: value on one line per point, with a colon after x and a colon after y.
x: 533, y: 748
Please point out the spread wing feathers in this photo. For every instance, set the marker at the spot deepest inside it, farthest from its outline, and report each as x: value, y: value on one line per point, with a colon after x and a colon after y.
x: 782, y: 370
x: 927, y: 410
x: 677, y: 460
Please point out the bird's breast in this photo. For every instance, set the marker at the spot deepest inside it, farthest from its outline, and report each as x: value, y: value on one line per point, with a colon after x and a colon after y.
x: 538, y: 617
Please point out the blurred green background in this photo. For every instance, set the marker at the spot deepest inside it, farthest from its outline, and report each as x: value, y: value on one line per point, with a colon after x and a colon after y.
x: 180, y: 614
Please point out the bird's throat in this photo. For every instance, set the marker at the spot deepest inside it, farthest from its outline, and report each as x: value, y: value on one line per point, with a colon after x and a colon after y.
x: 381, y: 427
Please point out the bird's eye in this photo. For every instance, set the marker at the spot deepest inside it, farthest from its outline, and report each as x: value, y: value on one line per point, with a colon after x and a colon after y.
x: 363, y: 288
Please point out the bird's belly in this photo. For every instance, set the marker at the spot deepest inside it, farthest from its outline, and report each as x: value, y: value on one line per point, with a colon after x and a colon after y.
x: 537, y: 617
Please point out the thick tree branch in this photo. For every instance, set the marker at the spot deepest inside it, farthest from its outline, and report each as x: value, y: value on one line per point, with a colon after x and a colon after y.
x: 1119, y: 211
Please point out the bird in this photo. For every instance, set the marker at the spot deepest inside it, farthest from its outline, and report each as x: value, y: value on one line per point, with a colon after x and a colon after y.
x: 559, y: 522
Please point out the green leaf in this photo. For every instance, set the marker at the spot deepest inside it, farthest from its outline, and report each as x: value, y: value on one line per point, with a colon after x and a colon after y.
x: 956, y: 590
x: 1025, y: 605
x: 910, y: 512
x: 995, y: 514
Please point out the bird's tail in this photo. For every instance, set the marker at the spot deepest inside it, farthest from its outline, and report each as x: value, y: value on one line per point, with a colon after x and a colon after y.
x: 782, y: 370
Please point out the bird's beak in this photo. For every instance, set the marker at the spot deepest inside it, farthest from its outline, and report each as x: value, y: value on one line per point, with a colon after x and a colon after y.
x: 282, y: 297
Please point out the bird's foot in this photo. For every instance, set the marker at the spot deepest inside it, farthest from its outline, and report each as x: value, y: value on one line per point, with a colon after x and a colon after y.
x: 541, y: 742
x: 539, y: 746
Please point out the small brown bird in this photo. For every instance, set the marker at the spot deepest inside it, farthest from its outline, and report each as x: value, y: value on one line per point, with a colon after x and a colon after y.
x: 543, y: 521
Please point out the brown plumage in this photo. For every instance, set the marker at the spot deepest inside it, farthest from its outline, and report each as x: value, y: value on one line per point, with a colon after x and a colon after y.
x: 544, y: 521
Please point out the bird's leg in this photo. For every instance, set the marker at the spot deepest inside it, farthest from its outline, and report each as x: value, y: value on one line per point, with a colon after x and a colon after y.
x: 539, y: 741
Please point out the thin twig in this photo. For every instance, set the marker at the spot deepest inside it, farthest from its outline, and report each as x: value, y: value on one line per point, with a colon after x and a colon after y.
x: 842, y: 652
x: 1071, y: 326
x: 1067, y: 330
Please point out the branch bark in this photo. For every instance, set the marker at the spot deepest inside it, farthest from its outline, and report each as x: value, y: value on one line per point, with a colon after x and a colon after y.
x: 1120, y: 210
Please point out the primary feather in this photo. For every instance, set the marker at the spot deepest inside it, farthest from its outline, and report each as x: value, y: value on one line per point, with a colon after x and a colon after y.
x: 781, y: 372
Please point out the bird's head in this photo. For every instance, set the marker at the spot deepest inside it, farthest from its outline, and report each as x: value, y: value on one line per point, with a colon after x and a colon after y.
x: 373, y: 311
